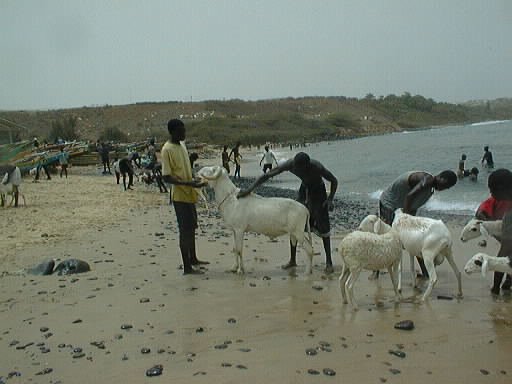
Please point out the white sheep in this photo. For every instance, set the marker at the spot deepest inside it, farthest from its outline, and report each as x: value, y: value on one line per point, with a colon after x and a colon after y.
x: 9, y: 185
x: 272, y: 216
x: 371, y: 251
x: 484, y: 262
x: 428, y: 239
x: 475, y: 228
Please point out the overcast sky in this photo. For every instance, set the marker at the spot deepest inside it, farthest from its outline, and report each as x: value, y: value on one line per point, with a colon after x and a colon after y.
x: 70, y: 53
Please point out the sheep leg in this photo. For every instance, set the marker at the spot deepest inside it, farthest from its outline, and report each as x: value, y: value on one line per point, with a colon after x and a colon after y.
x: 393, y: 271
x: 238, y: 267
x: 413, y: 273
x: 400, y: 275
x: 342, y: 281
x: 349, y: 286
x: 448, y: 255
x: 429, y: 264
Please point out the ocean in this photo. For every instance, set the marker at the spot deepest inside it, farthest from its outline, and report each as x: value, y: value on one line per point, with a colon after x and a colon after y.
x: 366, y: 166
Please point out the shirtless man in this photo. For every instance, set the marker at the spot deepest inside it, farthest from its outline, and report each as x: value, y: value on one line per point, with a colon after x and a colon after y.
x: 410, y: 191
x: 312, y: 194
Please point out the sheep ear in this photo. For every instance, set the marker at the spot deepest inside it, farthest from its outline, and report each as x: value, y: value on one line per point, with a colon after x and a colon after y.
x: 483, y: 230
x: 485, y: 267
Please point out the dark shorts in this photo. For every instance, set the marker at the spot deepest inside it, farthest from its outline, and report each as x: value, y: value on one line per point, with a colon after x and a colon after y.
x: 125, y: 167
x: 266, y: 167
x: 186, y: 215
x: 313, y: 198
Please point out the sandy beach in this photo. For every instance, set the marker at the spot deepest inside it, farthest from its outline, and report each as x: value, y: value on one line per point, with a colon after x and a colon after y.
x: 135, y: 309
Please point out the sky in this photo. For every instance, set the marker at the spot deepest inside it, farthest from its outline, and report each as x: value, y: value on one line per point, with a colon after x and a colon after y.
x: 70, y: 53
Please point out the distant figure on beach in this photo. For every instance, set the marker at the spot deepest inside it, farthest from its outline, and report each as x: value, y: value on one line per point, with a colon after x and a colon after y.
x: 499, y: 206
x: 176, y: 170
x: 63, y: 161
x: 36, y: 143
x: 268, y: 158
x: 312, y: 194
x: 225, y: 158
x: 42, y: 164
x: 461, y: 170
x: 237, y: 158
x: 125, y: 168
x: 151, y: 154
x: 487, y: 160
x: 104, y: 150
x: 135, y: 158
x: 410, y: 191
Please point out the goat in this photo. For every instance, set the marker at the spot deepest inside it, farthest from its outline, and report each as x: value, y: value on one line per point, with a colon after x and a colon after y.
x: 371, y: 251
x: 428, y: 239
x: 475, y: 228
x: 484, y: 262
x: 271, y: 216
x: 10, y: 186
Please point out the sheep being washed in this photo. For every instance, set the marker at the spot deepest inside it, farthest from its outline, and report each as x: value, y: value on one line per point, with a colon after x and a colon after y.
x: 271, y: 216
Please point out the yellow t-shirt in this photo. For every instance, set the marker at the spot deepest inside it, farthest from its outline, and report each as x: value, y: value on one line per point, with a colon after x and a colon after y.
x: 176, y: 163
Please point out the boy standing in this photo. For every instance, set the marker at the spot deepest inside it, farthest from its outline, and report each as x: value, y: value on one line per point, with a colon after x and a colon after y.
x: 176, y: 170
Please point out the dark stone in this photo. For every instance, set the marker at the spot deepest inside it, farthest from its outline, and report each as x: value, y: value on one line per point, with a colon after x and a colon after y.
x: 397, y: 353
x: 155, y: 370
x: 43, y: 269
x: 329, y: 372
x: 145, y: 350
x: 405, y: 325
x: 71, y: 266
x: 311, y: 352
x: 313, y: 372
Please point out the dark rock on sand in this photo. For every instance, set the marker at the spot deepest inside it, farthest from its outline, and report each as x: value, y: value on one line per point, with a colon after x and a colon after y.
x: 155, y: 370
x: 406, y: 325
x: 71, y: 266
x: 43, y: 269
x: 329, y: 372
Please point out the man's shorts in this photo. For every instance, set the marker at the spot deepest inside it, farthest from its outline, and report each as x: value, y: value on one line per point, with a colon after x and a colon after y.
x: 313, y: 198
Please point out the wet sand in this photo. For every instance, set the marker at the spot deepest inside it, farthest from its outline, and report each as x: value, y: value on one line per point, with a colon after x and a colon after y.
x: 218, y: 327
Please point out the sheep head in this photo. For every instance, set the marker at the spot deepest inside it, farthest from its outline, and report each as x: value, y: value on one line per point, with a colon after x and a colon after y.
x: 477, y: 263
x: 211, y: 174
x: 473, y: 229
x: 368, y: 223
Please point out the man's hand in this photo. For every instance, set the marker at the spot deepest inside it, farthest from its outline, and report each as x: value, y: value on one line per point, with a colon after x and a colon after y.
x: 329, y: 203
x: 242, y: 194
x: 198, y: 183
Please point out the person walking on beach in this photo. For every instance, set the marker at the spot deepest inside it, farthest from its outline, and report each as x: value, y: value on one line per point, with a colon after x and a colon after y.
x: 176, y: 170
x: 225, y: 159
x: 42, y: 164
x: 499, y: 206
x: 268, y: 158
x: 125, y: 168
x: 63, y: 161
x: 237, y: 158
x: 410, y: 191
x: 312, y: 194
x: 104, y: 150
x: 487, y: 160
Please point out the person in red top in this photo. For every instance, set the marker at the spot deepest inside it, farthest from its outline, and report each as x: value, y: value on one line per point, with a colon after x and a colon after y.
x: 499, y: 207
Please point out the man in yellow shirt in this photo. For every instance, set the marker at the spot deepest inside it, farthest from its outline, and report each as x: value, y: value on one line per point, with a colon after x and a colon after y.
x: 176, y: 170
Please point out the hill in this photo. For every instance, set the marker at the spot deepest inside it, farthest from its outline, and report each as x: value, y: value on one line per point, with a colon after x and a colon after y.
x: 252, y: 122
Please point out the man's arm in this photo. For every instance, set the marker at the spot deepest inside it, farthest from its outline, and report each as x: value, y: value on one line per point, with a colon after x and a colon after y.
x: 327, y: 175
x: 260, y: 180
x: 193, y: 183
x: 423, y: 182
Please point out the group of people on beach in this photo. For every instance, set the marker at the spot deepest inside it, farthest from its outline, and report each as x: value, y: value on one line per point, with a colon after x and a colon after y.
x: 409, y: 191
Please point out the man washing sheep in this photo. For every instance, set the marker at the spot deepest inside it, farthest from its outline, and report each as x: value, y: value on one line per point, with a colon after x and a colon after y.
x: 312, y: 194
x: 176, y: 170
x: 410, y: 191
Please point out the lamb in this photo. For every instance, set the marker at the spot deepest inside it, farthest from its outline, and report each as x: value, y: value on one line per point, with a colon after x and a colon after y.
x: 272, y: 216
x: 366, y: 250
x: 474, y: 228
x: 429, y: 239
x: 484, y: 262
x: 10, y: 185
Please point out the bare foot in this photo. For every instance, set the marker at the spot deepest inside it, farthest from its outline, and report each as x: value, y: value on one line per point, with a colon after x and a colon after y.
x: 200, y: 262
x: 289, y: 265
x: 329, y: 269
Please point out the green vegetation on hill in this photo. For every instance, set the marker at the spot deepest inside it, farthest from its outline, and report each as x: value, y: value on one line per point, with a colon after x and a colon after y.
x: 253, y: 122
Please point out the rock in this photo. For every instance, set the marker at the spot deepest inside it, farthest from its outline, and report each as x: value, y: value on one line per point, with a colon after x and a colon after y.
x: 405, y: 325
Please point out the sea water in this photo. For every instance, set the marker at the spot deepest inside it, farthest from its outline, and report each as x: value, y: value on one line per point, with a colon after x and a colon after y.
x: 366, y: 166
